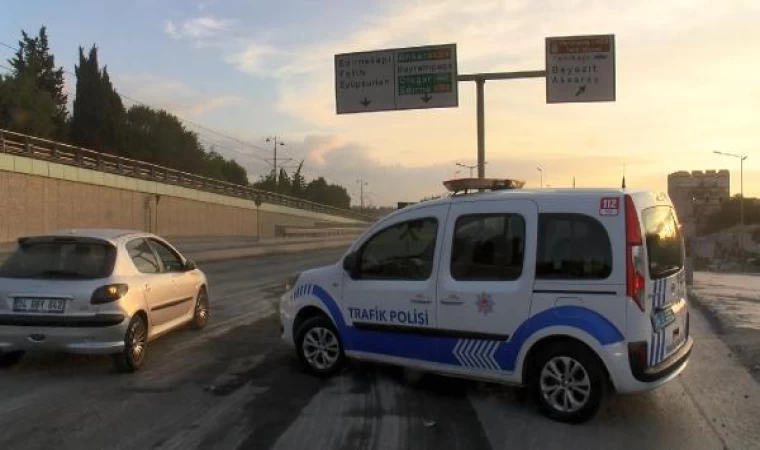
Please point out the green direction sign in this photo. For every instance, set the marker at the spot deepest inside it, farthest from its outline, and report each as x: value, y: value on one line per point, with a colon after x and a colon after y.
x: 406, y: 78
x: 424, y: 84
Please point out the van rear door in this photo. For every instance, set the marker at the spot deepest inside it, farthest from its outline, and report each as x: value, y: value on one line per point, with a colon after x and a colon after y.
x: 665, y: 302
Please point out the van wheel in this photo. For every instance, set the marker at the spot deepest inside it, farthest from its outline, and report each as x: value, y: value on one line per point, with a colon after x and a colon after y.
x: 319, y: 347
x: 131, y: 359
x: 568, y: 382
x: 8, y: 359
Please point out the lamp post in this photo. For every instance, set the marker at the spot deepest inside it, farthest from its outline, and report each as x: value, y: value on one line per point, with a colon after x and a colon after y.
x: 472, y: 167
x: 741, y: 159
x: 274, y: 160
x: 541, y: 171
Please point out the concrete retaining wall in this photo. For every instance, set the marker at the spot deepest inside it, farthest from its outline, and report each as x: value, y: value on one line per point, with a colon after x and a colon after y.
x: 38, y: 196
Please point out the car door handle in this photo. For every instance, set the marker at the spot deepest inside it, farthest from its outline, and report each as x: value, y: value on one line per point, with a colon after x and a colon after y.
x: 420, y: 299
x: 452, y: 300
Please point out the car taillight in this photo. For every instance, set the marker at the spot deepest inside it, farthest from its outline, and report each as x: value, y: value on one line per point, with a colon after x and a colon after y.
x: 634, y: 257
x: 108, y: 293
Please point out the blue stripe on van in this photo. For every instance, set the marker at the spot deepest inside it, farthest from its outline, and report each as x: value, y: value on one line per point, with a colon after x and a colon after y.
x: 476, y: 353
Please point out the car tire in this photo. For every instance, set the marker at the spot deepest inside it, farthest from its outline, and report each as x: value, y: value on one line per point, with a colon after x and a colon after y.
x: 8, y: 359
x: 568, y: 382
x: 132, y: 358
x: 201, y: 310
x: 319, y: 347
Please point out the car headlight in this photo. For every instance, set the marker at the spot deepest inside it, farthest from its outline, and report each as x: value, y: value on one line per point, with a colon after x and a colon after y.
x: 291, y: 281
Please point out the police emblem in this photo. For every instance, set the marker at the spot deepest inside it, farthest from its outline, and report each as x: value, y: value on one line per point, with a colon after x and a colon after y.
x: 484, y: 303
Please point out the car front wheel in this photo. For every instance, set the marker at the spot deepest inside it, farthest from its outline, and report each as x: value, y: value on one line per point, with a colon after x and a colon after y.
x: 201, y: 314
x: 319, y: 346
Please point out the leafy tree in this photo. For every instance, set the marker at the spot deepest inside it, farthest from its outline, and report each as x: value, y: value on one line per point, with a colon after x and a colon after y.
x: 283, y: 183
x: 160, y: 138
x: 298, y: 185
x: 320, y: 191
x: 24, y: 108
x: 99, y: 116
x: 34, y: 61
x: 266, y: 182
x: 234, y: 172
x: 730, y: 213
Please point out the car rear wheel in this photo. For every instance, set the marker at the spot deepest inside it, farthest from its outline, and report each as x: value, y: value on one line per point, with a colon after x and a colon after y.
x: 319, y: 347
x: 8, y: 359
x: 568, y: 382
x: 132, y: 358
x: 201, y: 314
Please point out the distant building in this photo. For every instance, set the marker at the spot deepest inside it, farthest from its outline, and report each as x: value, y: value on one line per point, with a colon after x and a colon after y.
x: 696, y: 195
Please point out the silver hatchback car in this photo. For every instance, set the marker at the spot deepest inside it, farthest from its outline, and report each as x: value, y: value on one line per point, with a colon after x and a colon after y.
x: 98, y: 291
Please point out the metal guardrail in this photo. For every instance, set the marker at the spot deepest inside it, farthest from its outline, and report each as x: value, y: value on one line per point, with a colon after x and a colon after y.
x: 43, y: 149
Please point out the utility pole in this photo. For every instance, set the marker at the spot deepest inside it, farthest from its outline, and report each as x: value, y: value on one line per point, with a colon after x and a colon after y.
x: 362, y: 183
x: 274, y: 160
x: 541, y: 171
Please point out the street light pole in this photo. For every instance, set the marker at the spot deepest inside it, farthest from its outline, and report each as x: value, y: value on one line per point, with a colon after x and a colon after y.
x: 475, y: 166
x: 741, y: 182
x: 741, y: 196
x: 274, y: 161
x: 541, y: 171
x: 362, y: 183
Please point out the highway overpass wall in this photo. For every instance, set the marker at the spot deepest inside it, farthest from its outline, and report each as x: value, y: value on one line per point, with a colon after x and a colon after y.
x: 38, y: 196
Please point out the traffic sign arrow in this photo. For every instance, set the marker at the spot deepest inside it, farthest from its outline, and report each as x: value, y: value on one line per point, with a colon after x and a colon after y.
x: 365, y: 102
x: 426, y: 98
x: 581, y: 90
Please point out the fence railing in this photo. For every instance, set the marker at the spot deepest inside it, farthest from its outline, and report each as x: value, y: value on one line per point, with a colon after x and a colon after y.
x: 43, y: 149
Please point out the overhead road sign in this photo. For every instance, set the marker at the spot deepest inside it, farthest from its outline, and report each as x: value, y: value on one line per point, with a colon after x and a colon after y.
x: 396, y: 79
x: 580, y: 69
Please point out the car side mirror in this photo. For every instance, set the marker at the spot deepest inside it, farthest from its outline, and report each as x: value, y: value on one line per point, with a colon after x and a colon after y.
x: 190, y: 265
x: 350, y: 264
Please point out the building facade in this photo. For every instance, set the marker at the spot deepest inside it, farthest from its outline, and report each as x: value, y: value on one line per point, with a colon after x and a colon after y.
x: 696, y: 195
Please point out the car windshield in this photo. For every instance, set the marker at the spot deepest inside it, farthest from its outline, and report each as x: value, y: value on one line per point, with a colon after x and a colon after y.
x: 59, y: 259
x: 664, y: 243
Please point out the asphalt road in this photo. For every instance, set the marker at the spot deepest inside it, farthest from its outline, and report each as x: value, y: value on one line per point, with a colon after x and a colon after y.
x: 235, y: 385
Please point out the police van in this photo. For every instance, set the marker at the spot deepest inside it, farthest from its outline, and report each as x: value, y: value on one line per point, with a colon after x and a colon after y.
x: 570, y: 292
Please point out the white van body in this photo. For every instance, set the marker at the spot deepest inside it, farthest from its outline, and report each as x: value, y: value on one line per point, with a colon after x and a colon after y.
x: 479, y: 285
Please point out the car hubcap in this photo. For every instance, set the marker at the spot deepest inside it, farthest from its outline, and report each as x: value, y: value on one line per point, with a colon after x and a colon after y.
x: 137, y: 342
x: 565, y: 384
x: 201, y: 310
x: 321, y: 348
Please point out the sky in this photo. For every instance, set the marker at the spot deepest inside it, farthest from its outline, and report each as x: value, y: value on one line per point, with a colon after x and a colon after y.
x: 240, y: 71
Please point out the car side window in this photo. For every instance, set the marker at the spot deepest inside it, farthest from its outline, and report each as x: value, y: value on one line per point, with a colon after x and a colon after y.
x: 171, y: 261
x: 572, y: 246
x: 488, y: 247
x: 142, y: 256
x: 403, y: 251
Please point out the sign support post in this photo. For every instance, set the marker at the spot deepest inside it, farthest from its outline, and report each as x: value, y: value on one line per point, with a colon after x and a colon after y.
x: 480, y: 86
x: 480, y: 82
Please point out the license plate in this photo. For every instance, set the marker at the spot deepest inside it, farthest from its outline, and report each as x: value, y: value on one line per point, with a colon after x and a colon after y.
x: 39, y: 305
x: 662, y: 319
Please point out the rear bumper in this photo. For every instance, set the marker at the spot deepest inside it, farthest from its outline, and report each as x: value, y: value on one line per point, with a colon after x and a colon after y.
x: 666, y: 367
x: 627, y: 378
x: 92, y: 335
